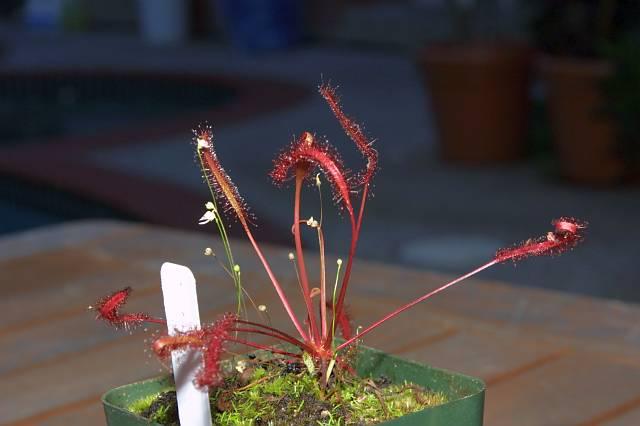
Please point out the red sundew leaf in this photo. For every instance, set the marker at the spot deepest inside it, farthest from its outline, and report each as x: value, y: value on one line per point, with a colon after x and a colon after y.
x: 108, y: 309
x: 209, y: 341
x: 215, y: 174
x: 344, y: 321
x: 566, y: 235
x: 305, y: 152
x: 354, y: 131
x: 215, y: 335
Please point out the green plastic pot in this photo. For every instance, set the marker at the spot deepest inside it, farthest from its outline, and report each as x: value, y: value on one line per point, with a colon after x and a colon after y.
x: 465, y: 394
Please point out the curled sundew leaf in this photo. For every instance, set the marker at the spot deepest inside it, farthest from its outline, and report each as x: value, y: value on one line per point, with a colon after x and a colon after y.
x: 108, y: 309
x: 567, y: 234
x: 164, y: 345
x: 217, y: 335
x: 209, y: 340
x: 217, y: 177
x: 355, y: 132
x: 304, y: 154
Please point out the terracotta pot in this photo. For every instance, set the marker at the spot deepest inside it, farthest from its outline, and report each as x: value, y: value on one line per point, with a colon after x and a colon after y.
x: 584, y: 136
x: 479, y: 95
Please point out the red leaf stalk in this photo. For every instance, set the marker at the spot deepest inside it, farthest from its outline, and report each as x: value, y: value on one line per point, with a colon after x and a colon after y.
x: 413, y: 303
x: 223, y: 186
x: 355, y: 235
x: 276, y: 333
x: 211, y: 339
x: 296, y: 162
x: 347, y: 273
x: 277, y: 286
x: 278, y: 336
x: 108, y: 309
x: 355, y: 132
x: 265, y: 348
x: 304, y: 280
x: 566, y: 235
x: 323, y: 286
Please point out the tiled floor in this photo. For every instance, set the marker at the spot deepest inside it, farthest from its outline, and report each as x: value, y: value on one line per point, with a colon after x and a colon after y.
x: 548, y: 358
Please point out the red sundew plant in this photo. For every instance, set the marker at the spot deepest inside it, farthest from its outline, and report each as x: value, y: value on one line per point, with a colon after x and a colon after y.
x: 305, y: 159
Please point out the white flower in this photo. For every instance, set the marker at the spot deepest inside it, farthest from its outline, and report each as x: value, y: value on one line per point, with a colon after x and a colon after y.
x: 312, y: 222
x: 210, y: 206
x: 202, y: 143
x: 241, y: 366
x: 209, y: 216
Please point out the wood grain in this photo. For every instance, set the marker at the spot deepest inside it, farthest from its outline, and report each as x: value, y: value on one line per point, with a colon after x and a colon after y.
x: 548, y: 358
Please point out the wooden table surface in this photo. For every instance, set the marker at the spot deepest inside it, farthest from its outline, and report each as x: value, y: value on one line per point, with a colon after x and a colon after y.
x: 548, y: 358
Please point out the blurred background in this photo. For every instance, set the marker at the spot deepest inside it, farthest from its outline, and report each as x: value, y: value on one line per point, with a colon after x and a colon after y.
x: 491, y: 117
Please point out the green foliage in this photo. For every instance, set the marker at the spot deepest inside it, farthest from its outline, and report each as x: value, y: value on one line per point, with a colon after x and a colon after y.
x: 161, y: 414
x: 581, y: 27
x: 622, y: 96
x: 158, y: 407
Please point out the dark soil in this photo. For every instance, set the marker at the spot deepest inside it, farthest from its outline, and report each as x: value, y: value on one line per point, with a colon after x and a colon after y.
x: 168, y: 402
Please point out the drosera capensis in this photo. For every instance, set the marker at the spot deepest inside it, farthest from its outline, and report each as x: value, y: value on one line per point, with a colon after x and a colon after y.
x: 314, y: 342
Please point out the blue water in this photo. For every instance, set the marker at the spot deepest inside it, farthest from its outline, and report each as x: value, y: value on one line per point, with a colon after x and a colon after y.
x: 17, y: 218
x: 34, y: 109
x: 24, y: 206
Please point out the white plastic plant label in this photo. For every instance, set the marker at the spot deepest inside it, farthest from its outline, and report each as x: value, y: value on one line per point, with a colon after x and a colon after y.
x: 181, y: 310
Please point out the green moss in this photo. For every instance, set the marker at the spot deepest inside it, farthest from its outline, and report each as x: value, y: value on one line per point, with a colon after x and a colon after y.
x: 141, y: 405
x: 161, y: 415
x: 269, y: 394
x: 160, y: 407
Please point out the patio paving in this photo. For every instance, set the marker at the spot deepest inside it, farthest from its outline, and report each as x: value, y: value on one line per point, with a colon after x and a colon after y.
x: 548, y: 358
